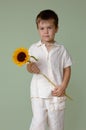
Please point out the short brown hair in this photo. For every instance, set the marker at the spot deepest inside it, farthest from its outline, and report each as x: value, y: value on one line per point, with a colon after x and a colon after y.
x: 46, y: 15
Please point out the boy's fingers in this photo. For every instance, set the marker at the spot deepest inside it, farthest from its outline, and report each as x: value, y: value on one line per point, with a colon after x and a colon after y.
x: 35, y: 69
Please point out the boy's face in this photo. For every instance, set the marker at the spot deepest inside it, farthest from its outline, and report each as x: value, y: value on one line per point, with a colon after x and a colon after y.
x: 47, y: 30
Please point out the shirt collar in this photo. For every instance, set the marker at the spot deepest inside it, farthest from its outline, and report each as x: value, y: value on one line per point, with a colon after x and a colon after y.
x: 41, y: 44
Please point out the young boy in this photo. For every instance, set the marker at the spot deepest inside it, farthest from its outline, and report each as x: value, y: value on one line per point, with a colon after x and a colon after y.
x: 48, y: 103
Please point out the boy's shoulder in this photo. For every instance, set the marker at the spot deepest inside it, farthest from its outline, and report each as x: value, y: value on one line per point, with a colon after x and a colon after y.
x: 36, y: 44
x: 60, y: 45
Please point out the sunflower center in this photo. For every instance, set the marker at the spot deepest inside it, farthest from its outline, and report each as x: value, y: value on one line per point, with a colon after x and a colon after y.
x: 21, y: 56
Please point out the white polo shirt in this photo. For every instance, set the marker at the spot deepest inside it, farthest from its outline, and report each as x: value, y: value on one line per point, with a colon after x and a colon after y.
x: 51, y: 64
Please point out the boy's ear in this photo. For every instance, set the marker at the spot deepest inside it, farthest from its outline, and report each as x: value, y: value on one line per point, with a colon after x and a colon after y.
x: 57, y: 29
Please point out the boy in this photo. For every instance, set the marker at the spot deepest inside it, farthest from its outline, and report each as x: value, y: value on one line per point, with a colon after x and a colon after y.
x: 48, y: 103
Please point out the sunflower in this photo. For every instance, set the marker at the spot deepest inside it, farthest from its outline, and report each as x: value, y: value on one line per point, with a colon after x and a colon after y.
x: 21, y: 56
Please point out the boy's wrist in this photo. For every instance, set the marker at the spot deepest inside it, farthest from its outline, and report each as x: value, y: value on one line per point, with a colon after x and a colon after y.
x: 64, y: 86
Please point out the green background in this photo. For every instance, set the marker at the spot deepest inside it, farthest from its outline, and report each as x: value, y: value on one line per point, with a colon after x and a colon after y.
x: 18, y: 29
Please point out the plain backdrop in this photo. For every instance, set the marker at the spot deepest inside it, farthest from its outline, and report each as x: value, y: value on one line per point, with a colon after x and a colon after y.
x: 18, y: 29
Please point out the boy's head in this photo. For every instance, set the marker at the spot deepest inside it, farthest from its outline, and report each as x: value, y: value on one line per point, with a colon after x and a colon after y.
x: 47, y: 15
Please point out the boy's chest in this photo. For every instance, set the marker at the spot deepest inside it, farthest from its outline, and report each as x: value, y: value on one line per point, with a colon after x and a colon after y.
x: 44, y: 57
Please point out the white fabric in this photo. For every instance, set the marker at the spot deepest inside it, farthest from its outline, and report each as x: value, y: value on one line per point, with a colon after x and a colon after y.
x: 51, y: 64
x: 48, y: 111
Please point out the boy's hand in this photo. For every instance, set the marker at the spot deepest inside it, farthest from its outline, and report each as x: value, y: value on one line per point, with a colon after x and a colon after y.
x: 58, y: 91
x: 32, y: 68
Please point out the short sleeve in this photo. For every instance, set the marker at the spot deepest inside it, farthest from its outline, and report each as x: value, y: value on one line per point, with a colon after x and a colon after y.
x: 67, y: 60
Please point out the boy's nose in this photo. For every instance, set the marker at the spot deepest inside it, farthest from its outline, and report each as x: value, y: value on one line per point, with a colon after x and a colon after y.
x: 46, y: 31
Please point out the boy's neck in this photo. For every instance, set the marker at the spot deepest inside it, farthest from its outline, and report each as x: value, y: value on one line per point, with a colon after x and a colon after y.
x: 48, y: 43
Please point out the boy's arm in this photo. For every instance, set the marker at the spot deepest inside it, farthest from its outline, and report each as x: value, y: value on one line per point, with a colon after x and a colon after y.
x: 32, y: 68
x: 66, y: 77
x: 60, y: 90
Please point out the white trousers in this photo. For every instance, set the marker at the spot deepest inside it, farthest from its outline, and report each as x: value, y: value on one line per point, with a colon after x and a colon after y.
x: 48, y: 112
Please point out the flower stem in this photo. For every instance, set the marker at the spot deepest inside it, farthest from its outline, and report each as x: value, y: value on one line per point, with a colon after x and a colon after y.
x: 54, y: 84
x: 34, y: 58
x: 48, y: 79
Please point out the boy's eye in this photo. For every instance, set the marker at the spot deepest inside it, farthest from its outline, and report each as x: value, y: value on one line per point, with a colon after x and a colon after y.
x: 49, y: 27
x: 41, y: 28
